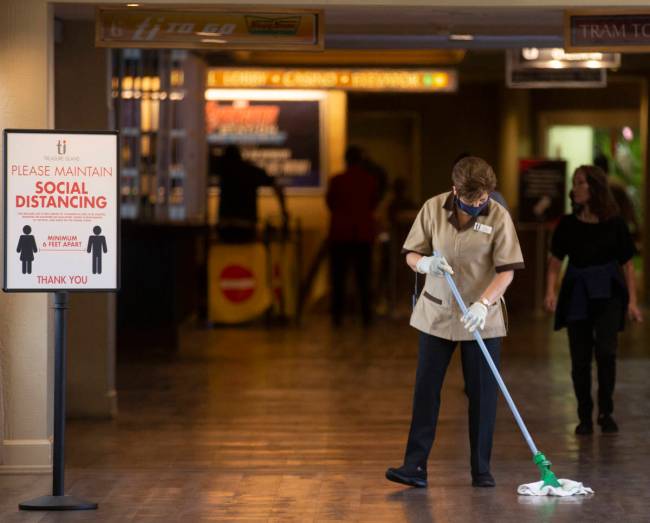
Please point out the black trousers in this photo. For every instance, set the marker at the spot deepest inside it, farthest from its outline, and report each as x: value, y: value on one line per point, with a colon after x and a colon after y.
x: 480, y: 387
x: 343, y: 256
x: 598, y: 335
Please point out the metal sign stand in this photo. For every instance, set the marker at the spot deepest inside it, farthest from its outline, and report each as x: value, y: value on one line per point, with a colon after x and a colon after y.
x: 58, y: 500
x: 76, y: 152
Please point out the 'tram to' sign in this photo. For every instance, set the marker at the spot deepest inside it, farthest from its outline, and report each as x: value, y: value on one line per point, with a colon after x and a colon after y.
x: 607, y: 30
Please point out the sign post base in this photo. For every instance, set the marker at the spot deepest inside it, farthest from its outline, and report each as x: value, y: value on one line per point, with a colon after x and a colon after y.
x: 57, y: 503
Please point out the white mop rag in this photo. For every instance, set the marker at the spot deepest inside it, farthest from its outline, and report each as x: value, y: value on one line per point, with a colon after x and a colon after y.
x: 568, y: 488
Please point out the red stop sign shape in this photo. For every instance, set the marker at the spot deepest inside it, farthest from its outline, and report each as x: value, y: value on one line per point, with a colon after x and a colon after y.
x: 237, y: 283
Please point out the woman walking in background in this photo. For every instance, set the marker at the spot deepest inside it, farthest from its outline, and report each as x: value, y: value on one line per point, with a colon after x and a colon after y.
x: 597, y: 290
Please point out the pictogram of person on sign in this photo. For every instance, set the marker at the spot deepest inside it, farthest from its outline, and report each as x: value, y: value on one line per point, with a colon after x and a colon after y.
x: 97, y: 245
x: 27, y: 248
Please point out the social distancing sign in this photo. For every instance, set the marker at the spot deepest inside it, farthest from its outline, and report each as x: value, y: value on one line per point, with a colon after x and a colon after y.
x: 61, y: 204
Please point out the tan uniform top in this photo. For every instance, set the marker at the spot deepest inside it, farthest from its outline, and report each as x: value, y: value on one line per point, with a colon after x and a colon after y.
x: 485, y: 246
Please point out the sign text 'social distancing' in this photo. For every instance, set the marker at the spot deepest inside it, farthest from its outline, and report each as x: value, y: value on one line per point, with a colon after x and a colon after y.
x: 61, y: 211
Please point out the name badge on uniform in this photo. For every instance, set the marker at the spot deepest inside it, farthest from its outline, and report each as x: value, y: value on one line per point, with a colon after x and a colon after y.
x: 481, y: 227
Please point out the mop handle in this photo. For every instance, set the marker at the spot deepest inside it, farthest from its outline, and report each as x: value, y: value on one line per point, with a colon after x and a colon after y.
x: 493, y: 368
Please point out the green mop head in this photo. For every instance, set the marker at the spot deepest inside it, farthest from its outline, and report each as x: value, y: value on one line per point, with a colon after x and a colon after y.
x: 544, y: 467
x: 549, y: 484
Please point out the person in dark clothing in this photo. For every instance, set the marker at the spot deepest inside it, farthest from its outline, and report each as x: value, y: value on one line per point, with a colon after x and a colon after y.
x: 398, y: 212
x: 380, y: 174
x: 597, y: 290
x: 27, y: 248
x: 352, y: 197
x: 399, y: 200
x: 621, y: 197
x: 239, y: 181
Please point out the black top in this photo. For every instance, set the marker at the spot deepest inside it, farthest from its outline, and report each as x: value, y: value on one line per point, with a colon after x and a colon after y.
x: 596, y: 253
x: 239, y: 181
x: 590, y: 244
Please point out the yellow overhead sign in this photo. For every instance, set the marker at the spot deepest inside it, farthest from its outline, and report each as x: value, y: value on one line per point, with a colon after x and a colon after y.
x: 417, y: 80
x: 209, y: 28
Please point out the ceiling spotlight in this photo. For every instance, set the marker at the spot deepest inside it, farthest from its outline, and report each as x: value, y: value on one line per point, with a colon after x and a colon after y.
x: 557, y: 53
x: 132, y: 5
x: 462, y: 37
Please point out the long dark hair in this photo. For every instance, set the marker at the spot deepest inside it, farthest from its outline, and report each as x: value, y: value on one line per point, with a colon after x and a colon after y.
x: 601, y: 201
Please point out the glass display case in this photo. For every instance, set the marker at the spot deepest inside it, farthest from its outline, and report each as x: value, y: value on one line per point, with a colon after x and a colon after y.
x: 157, y: 104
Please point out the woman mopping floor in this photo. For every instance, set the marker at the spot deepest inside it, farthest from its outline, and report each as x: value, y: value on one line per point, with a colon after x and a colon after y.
x: 479, y: 240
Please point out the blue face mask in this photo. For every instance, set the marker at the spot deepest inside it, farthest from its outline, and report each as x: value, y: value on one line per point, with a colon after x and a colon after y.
x: 470, y: 209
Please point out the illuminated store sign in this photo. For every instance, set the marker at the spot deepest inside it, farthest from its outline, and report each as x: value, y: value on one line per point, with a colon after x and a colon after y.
x: 607, y: 30
x: 541, y: 190
x: 279, y: 131
x: 416, y: 80
x: 557, y: 58
x: 213, y: 28
x: 555, y: 78
x: 534, y: 68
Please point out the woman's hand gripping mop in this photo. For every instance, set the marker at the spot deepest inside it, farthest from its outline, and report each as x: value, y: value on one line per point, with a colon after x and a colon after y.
x: 548, y: 485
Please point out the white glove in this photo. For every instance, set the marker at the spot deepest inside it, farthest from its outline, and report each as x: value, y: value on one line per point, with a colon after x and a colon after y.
x: 475, y: 316
x: 435, y: 265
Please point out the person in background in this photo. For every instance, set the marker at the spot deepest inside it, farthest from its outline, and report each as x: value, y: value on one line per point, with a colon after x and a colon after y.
x: 399, y: 201
x: 352, y: 197
x: 238, y: 182
x: 394, y: 212
x: 597, y: 290
x: 460, y: 232
x: 380, y: 174
x: 621, y: 197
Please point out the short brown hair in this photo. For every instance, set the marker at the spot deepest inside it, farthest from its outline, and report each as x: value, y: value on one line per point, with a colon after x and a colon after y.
x: 601, y: 201
x: 472, y: 177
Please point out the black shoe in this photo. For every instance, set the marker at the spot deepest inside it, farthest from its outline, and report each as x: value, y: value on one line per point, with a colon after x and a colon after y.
x: 584, y: 428
x: 484, y: 479
x: 607, y: 424
x: 408, y: 475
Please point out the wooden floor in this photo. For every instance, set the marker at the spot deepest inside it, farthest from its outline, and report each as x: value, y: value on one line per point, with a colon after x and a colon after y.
x: 298, y: 425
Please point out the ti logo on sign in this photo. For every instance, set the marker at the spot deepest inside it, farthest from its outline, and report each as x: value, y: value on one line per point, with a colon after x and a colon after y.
x: 61, y: 146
